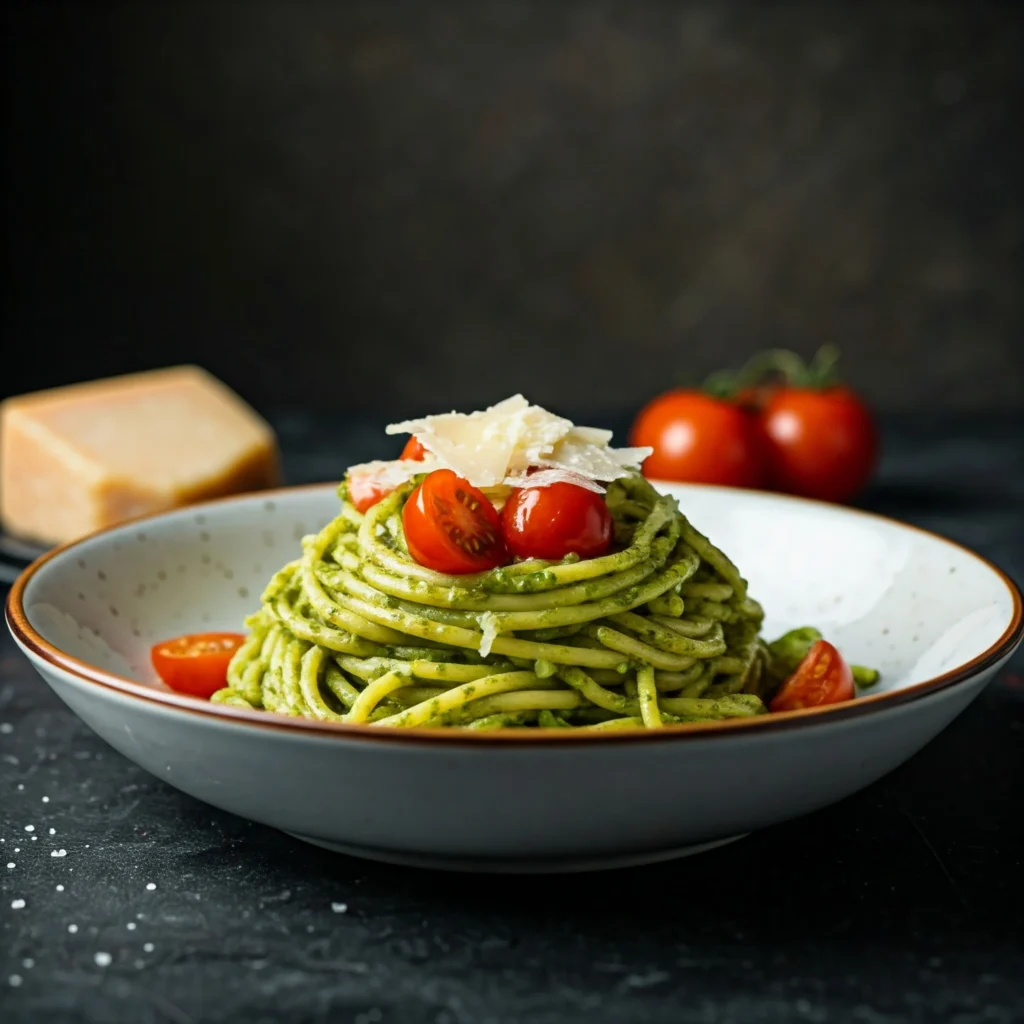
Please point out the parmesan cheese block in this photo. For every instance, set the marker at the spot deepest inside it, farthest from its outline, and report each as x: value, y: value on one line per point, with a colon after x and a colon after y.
x: 79, y: 458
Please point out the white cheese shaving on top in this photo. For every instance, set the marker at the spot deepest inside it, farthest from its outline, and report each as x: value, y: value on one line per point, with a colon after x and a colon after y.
x: 497, y: 447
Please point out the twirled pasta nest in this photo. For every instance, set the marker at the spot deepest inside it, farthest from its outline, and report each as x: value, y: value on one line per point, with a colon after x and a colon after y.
x: 660, y: 631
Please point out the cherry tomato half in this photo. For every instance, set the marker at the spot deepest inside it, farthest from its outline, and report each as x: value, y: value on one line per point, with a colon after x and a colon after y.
x: 451, y: 527
x: 818, y: 443
x: 699, y: 439
x: 196, y: 663
x: 552, y: 522
x: 413, y: 450
x: 821, y: 678
x: 366, y: 489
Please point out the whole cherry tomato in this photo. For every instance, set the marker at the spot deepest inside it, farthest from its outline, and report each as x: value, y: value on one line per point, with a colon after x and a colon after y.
x: 821, y: 678
x: 196, y: 663
x: 699, y: 439
x: 451, y: 527
x: 818, y: 443
x: 554, y: 521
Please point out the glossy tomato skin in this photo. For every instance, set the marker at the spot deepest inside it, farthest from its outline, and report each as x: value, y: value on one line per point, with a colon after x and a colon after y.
x: 365, y: 490
x: 552, y: 522
x: 818, y: 444
x: 699, y: 439
x: 196, y: 663
x: 413, y: 450
x: 823, y: 677
x: 451, y: 527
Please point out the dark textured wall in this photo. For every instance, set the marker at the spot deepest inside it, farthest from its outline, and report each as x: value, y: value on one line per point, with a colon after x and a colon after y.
x: 433, y: 204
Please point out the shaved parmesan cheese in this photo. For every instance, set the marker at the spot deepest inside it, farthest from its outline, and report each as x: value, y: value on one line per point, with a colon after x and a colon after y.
x: 498, y: 446
x: 489, y: 624
x: 547, y: 477
x: 389, y: 475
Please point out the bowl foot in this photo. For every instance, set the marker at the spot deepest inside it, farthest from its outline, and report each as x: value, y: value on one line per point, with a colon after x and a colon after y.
x: 514, y: 866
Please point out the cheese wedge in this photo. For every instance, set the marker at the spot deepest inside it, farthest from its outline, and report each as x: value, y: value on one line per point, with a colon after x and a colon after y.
x: 79, y: 458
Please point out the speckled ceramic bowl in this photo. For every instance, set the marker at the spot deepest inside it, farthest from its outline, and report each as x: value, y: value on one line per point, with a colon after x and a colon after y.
x: 935, y: 618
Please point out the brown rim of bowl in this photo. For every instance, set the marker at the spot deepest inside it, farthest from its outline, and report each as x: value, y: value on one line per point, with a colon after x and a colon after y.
x: 29, y: 638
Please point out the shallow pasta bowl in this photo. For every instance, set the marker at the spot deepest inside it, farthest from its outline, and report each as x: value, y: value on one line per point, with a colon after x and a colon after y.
x: 935, y: 618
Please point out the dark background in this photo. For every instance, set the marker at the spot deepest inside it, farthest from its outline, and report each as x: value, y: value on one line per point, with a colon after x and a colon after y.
x: 391, y: 208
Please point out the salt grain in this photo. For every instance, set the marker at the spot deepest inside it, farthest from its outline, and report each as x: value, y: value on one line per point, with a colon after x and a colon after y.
x: 58, y: 853
x: 339, y: 908
x: 14, y: 980
x: 28, y: 963
x: 21, y: 785
x: 102, y: 959
x: 131, y: 926
x: 10, y: 864
x: 148, y: 947
x: 53, y: 831
x: 72, y: 928
x: 60, y: 888
x: 34, y: 838
x: 46, y: 799
x: 151, y: 886
x: 30, y: 828
x: 6, y: 727
x: 17, y: 904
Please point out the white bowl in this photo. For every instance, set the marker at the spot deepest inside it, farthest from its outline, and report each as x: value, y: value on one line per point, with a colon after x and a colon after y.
x: 936, y: 619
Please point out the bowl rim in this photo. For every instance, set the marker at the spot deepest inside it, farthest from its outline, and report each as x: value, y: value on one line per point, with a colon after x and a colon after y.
x: 31, y: 641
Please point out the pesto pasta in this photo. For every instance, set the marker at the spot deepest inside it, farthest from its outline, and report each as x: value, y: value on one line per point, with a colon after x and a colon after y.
x: 659, y: 631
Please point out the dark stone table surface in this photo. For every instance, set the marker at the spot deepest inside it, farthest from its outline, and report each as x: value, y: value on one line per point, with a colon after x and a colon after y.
x: 124, y: 900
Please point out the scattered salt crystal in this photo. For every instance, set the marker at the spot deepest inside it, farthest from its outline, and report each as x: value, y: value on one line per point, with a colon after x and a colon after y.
x: 6, y: 727
x: 151, y: 886
x: 53, y: 831
x: 30, y: 828
x: 60, y: 888
x: 28, y: 963
x: 72, y: 928
x: 34, y: 838
x: 21, y: 785
x: 46, y: 799
x: 148, y: 947
x: 10, y: 863
x: 131, y: 926
x: 58, y: 853
x: 17, y: 904
x: 102, y: 959
x: 17, y: 849
x: 339, y: 908
x: 14, y: 980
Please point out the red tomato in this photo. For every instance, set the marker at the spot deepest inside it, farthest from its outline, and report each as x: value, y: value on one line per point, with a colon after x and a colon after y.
x: 413, y: 450
x: 552, y: 522
x: 699, y: 439
x: 196, y: 663
x: 821, y: 678
x: 365, y: 490
x: 820, y: 444
x: 451, y: 527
